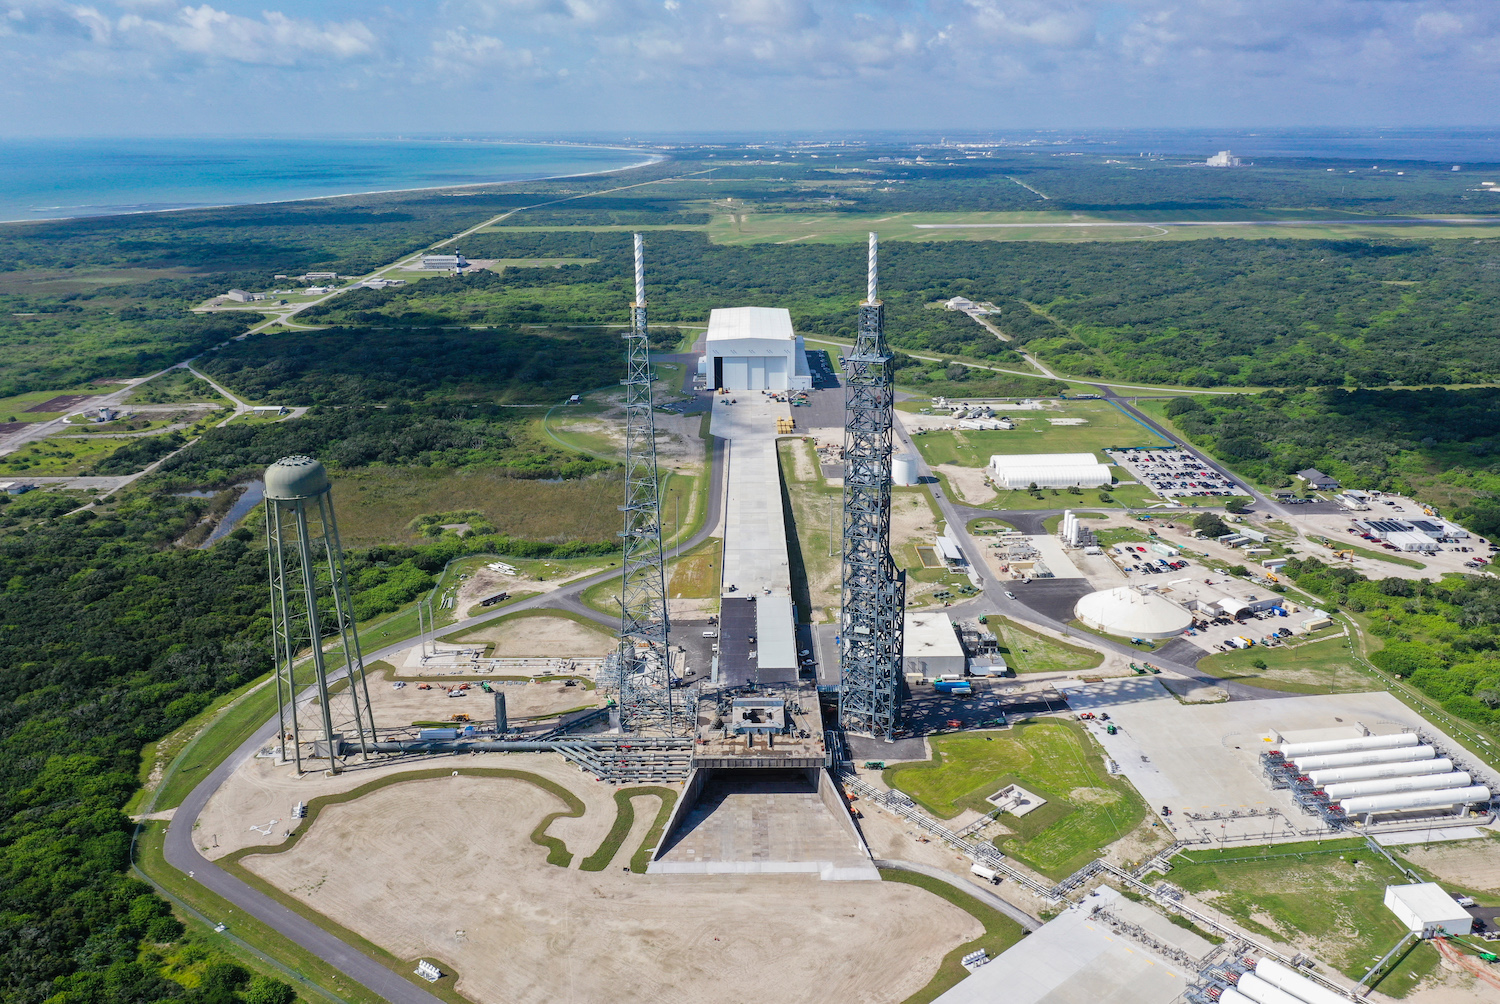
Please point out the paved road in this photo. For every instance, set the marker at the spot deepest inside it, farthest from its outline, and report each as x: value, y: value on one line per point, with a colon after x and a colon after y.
x: 41, y: 430
x: 963, y: 885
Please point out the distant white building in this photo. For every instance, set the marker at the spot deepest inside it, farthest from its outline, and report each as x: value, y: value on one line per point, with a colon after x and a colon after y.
x: 754, y: 348
x: 240, y: 296
x: 1049, y: 470
x: 1223, y: 159
x: 444, y: 261
x: 382, y: 283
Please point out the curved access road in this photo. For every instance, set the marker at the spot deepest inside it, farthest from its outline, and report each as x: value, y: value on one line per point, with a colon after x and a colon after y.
x: 181, y: 851
x: 979, y: 892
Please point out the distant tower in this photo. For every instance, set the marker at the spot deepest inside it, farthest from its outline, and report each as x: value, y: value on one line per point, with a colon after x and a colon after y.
x: 645, y: 656
x: 874, y: 590
x: 307, y: 566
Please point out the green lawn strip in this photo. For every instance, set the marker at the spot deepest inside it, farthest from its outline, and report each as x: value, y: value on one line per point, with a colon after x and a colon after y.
x: 642, y: 856
x: 557, y: 854
x: 231, y: 726
x: 1314, y: 888
x: 1026, y: 651
x: 251, y: 943
x: 624, y: 820
x: 1087, y: 808
x: 603, y: 597
x: 1000, y: 932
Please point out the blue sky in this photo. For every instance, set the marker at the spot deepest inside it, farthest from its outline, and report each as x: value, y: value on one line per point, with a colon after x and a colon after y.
x: 153, y: 67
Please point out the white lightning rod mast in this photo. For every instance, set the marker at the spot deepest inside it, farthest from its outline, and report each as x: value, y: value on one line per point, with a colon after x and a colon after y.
x: 640, y: 273
x: 870, y: 297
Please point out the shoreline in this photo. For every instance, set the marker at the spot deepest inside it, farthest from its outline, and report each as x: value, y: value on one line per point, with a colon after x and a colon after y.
x: 651, y: 158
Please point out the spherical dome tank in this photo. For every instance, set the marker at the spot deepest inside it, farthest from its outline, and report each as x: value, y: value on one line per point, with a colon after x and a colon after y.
x: 295, y: 478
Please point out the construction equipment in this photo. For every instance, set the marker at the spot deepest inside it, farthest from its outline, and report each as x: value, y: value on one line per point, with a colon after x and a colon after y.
x: 874, y: 765
x: 1466, y: 962
x: 1111, y: 729
x: 461, y: 718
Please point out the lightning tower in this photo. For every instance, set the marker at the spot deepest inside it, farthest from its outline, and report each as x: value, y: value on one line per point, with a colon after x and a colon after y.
x: 874, y: 589
x: 307, y: 576
x: 645, y: 657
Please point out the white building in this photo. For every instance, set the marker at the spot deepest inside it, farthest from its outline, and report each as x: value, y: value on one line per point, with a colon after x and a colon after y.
x: 754, y: 348
x: 240, y: 296
x: 442, y: 261
x: 1048, y: 470
x: 932, y: 647
x: 1427, y: 910
x: 1412, y: 540
x: 1223, y: 159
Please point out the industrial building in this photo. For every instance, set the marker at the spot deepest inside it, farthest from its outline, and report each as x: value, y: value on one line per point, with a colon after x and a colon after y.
x: 1428, y: 911
x: 932, y: 646
x: 444, y: 261
x: 1224, y: 159
x: 1049, y: 470
x: 1132, y: 612
x: 1317, y: 480
x: 754, y: 348
x: 240, y: 296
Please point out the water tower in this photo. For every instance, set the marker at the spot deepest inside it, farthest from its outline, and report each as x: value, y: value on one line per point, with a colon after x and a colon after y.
x: 310, y: 595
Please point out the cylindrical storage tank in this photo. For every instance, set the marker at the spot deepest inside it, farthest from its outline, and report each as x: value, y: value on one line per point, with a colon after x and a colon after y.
x: 1339, y: 775
x: 1404, y: 800
x: 1422, y: 782
x: 1288, y: 979
x: 1293, y: 750
x: 904, y: 469
x: 1261, y: 992
x: 1307, y: 763
x: 1233, y: 996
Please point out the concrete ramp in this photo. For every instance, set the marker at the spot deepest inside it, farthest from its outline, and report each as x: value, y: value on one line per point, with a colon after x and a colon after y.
x: 763, y: 821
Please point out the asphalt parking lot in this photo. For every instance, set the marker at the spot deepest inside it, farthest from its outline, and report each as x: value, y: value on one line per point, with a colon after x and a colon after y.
x: 1174, y: 473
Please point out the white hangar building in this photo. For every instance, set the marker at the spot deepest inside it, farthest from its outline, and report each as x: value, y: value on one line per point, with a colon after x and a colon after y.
x: 754, y: 348
x: 1049, y: 470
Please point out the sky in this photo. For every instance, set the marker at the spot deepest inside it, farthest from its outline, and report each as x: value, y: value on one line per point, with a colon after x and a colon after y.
x: 503, y: 67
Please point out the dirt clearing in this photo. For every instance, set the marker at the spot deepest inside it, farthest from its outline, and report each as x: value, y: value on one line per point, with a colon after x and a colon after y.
x: 401, y: 867
x: 542, y: 637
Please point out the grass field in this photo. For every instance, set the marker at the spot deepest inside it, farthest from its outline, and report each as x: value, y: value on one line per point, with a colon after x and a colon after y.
x: 13, y: 409
x: 848, y: 228
x: 1107, y: 427
x: 1087, y: 809
x: 1026, y: 651
x: 1312, y: 667
x: 696, y: 575
x: 58, y: 457
x: 1000, y: 932
x: 377, y: 504
x: 1324, y: 896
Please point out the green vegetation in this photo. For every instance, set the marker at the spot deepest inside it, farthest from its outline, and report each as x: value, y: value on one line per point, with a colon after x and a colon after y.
x: 174, y: 387
x: 1087, y: 809
x: 1331, y: 891
x: 1025, y: 651
x: 1324, y: 666
x: 624, y: 821
x: 1439, y: 446
x: 1000, y: 932
x: 696, y: 575
x: 1106, y: 427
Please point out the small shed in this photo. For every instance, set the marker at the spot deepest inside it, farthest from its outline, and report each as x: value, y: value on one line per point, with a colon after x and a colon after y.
x: 1427, y: 910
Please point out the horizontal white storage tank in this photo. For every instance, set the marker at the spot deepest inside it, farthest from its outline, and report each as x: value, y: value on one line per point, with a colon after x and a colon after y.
x: 1263, y: 992
x: 1363, y: 757
x: 1233, y: 996
x: 1338, y: 775
x: 1293, y: 750
x: 1416, y: 800
x: 1422, y: 782
x: 1294, y: 983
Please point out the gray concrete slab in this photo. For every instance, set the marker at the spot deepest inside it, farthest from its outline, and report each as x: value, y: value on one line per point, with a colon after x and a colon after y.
x: 1054, y: 598
x: 1074, y: 959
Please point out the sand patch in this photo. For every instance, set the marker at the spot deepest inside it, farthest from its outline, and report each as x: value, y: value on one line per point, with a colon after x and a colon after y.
x: 1471, y: 863
x: 1093, y: 796
x: 542, y: 637
x: 968, y: 483
x: 401, y: 867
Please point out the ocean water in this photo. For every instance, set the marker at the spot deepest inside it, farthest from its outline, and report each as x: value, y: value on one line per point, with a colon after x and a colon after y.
x: 49, y: 179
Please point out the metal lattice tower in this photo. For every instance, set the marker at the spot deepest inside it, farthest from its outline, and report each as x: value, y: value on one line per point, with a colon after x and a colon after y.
x: 646, y: 699
x: 307, y: 566
x: 874, y: 589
